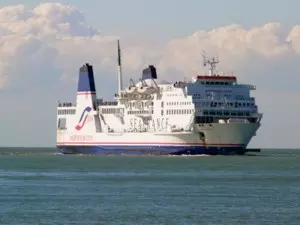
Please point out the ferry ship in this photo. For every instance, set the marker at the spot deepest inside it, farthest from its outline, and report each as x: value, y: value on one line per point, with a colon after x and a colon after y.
x: 209, y: 114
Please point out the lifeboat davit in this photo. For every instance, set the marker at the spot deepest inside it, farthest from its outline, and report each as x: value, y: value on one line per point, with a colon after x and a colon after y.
x: 142, y: 89
x: 146, y: 90
x: 131, y: 89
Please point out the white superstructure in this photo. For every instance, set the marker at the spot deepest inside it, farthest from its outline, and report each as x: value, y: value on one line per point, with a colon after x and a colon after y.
x: 211, y: 114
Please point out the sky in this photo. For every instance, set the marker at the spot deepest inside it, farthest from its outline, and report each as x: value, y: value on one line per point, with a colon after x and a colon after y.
x: 43, y: 44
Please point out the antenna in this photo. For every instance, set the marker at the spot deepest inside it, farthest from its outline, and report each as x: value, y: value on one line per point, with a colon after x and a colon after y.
x: 204, y: 58
x: 211, y: 62
x: 120, y: 82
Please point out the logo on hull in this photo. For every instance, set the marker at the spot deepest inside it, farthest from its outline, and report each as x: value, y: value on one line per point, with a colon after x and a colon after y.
x: 83, y: 118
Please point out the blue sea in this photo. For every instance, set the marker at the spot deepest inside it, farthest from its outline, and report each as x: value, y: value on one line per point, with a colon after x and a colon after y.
x: 39, y: 186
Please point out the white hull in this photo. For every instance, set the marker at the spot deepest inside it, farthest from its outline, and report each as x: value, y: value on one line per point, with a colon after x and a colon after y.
x: 217, y: 135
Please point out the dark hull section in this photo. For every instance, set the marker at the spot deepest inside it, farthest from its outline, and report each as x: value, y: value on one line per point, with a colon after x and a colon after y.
x: 151, y: 150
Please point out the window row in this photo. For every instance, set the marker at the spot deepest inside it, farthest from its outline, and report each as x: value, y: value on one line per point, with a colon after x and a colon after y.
x: 226, y: 113
x: 222, y: 104
x: 179, y: 111
x: 110, y: 110
x: 216, y: 83
x: 140, y: 104
x: 179, y: 103
x: 66, y: 111
x: 140, y: 112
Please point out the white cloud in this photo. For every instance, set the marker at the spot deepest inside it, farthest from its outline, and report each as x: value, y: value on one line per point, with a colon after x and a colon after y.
x: 62, y: 28
x: 45, y: 46
x: 294, y: 38
x: 236, y: 47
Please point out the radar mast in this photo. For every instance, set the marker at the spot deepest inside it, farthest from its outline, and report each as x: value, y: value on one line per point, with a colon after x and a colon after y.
x: 211, y: 62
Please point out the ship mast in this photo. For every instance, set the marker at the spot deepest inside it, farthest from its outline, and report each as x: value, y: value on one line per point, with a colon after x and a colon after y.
x: 120, y: 83
x: 212, y: 64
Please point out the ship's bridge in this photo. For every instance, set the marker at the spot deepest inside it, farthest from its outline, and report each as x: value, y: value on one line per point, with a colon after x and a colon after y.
x: 220, y: 80
x: 215, y: 80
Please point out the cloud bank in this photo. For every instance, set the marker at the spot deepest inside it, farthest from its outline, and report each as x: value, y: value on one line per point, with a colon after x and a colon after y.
x: 42, y: 48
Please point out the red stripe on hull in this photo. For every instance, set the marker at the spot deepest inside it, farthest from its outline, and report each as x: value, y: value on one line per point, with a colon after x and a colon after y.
x: 144, y: 143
